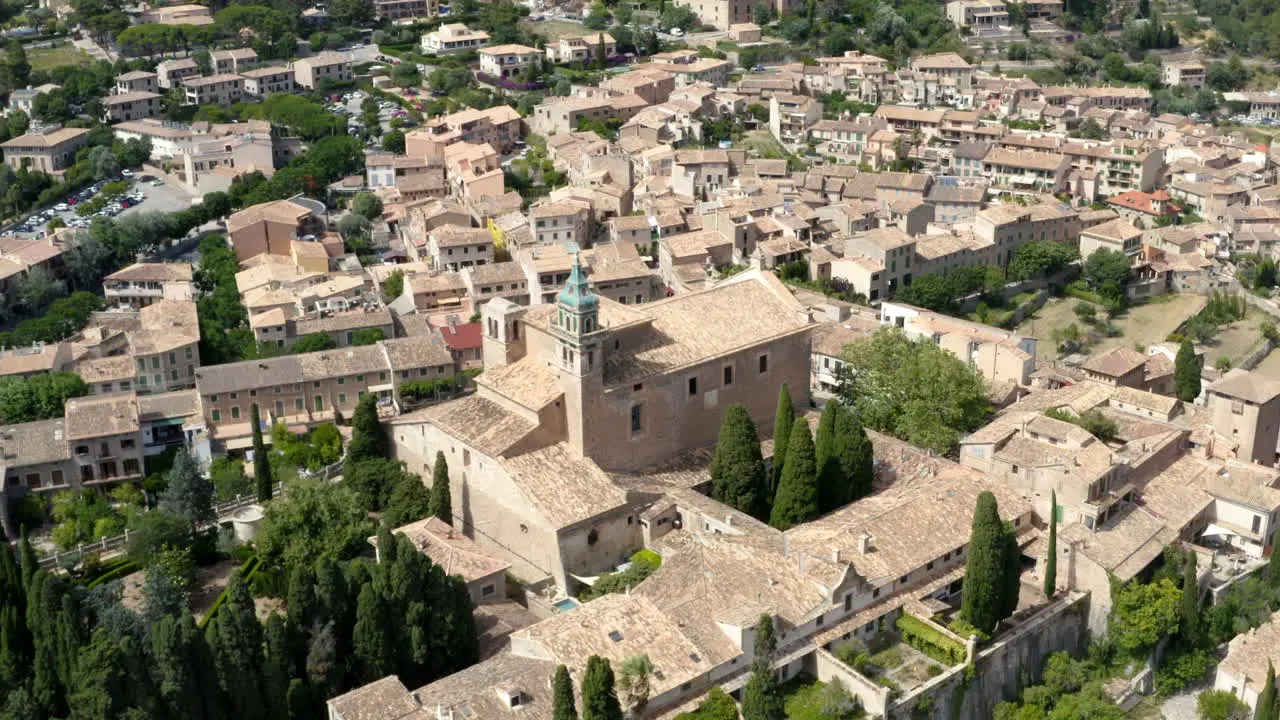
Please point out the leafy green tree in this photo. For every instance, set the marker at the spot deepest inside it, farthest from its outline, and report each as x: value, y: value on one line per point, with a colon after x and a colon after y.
x: 1266, y: 707
x: 368, y: 438
x: 984, y: 600
x: 313, y: 520
x: 1186, y: 373
x: 1107, y: 272
x: 367, y: 205
x: 913, y: 390
x: 563, y: 706
x: 599, y: 700
x: 153, y: 532
x: 762, y: 698
x: 1221, y: 705
x: 738, y: 477
x: 441, y: 497
x: 933, y: 292
x: 408, y: 501
x: 1040, y: 259
x: 782, y: 420
x: 717, y: 706
x: 188, y: 493
x: 797, y: 499
x: 367, y: 336
x: 261, y: 459
x: 1051, y: 556
x: 1142, y: 613
x: 315, y: 342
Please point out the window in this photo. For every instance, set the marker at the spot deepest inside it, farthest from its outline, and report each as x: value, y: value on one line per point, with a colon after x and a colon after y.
x: 342, y: 381
x: 217, y: 415
x: 342, y: 398
x: 279, y: 407
x: 55, y: 478
x: 319, y: 403
x: 488, y: 590
x: 188, y: 353
x: 636, y: 418
x: 235, y: 413
x: 763, y: 363
x: 155, y: 362
x: 728, y: 375
x: 126, y: 444
x: 359, y: 378
x: 693, y: 386
x: 297, y: 404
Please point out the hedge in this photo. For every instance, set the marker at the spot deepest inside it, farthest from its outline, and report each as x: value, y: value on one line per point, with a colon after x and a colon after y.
x: 246, y: 573
x: 125, y: 568
x: 930, y: 641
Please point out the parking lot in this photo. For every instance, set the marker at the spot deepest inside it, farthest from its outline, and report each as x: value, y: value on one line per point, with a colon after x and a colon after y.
x: 142, y: 196
x: 350, y: 108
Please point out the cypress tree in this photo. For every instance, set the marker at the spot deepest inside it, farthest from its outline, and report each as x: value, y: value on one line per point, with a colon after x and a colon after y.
x: 99, y: 686
x: 1266, y: 707
x: 278, y: 665
x: 373, y: 638
x: 797, y: 498
x: 235, y: 639
x: 28, y: 563
x: 782, y: 421
x: 186, y: 683
x: 1190, y: 600
x: 762, y: 699
x: 737, y: 469
x: 261, y: 461
x: 14, y: 641
x: 1051, y: 561
x: 1186, y: 373
x: 1273, y: 563
x: 1011, y: 575
x: 826, y: 435
x: 848, y: 470
x: 441, y: 497
x: 368, y: 438
x: 599, y: 700
x: 562, y: 704
x: 984, y: 596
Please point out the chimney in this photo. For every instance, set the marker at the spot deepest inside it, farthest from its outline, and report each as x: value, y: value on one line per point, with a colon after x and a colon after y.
x: 835, y: 555
x: 728, y: 520
x: 864, y: 543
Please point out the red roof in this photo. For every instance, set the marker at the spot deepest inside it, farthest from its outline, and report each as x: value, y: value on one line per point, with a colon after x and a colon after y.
x: 1143, y: 202
x: 463, y: 337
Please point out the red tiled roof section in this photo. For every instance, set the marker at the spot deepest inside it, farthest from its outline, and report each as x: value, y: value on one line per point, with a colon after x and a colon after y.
x: 462, y: 337
x: 1143, y: 202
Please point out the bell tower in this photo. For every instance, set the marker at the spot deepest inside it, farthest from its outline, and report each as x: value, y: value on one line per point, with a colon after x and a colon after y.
x: 576, y: 324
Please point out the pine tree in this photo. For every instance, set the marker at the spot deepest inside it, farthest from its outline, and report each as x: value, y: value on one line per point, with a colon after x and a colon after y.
x: 261, y: 461
x: 373, y: 639
x: 1051, y: 560
x: 797, y: 498
x: 562, y: 703
x: 1266, y: 706
x: 599, y: 700
x: 762, y: 698
x: 782, y: 421
x: 984, y: 596
x: 441, y: 497
x: 368, y: 438
x: 1190, y: 600
x: 1186, y: 373
x: 738, y: 476
x: 188, y: 492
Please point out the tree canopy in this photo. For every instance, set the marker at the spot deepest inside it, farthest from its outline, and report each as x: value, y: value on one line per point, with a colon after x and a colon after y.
x: 738, y: 477
x: 913, y: 390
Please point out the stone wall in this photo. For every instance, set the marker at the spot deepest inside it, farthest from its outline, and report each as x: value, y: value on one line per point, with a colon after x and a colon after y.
x: 1001, y: 670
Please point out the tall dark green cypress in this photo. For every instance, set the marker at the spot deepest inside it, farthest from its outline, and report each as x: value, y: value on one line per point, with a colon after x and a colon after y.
x: 441, y: 495
x: 1011, y: 575
x: 1273, y: 563
x: 848, y: 470
x: 783, y: 418
x: 186, y: 682
x: 28, y: 563
x: 100, y: 683
x: 762, y: 698
x: 599, y: 699
x: 373, y: 638
x: 984, y: 598
x: 15, y: 642
x: 368, y: 438
x: 797, y: 498
x: 826, y: 434
x: 1051, y: 558
x: 738, y: 476
x: 1190, y: 600
x: 1186, y: 373
x: 235, y: 639
x: 261, y: 460
x: 1266, y: 707
x: 562, y: 703
x: 279, y: 665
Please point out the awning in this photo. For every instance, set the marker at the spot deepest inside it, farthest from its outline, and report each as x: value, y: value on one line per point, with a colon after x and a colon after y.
x: 1219, y: 531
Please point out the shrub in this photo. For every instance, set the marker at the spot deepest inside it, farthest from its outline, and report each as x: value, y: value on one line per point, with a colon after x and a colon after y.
x: 930, y: 641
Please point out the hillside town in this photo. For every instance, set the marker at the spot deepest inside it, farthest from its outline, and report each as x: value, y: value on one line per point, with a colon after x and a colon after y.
x: 399, y: 359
